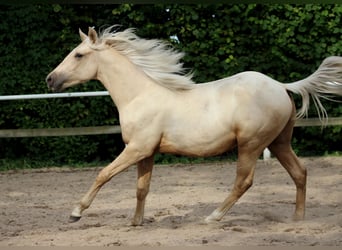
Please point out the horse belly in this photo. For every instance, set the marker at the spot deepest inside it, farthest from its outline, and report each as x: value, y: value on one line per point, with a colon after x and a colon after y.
x: 198, y: 143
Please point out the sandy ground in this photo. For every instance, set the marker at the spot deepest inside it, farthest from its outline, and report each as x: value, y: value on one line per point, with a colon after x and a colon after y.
x: 35, y: 206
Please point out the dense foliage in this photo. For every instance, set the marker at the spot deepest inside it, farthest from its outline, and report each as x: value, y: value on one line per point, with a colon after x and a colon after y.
x: 286, y: 42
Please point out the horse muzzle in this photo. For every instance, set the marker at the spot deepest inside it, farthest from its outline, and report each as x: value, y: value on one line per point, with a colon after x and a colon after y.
x: 55, y: 82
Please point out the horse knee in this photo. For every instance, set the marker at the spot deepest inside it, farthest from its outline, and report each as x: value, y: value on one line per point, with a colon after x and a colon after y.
x: 102, y: 177
x: 247, y: 183
x: 241, y: 187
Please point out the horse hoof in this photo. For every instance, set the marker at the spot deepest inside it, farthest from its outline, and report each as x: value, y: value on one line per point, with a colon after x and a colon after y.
x: 209, y: 220
x: 136, y: 224
x: 73, y: 219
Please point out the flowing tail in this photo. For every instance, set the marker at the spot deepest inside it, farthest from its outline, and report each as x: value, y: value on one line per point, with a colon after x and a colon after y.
x: 325, y: 82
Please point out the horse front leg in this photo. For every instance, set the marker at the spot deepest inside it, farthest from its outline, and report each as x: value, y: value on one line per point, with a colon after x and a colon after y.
x: 128, y: 157
x: 145, y: 167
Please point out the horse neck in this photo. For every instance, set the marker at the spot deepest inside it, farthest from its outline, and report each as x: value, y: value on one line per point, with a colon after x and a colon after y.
x: 123, y: 80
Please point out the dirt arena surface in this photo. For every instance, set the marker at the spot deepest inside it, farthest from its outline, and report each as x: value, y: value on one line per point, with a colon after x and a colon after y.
x: 35, y: 206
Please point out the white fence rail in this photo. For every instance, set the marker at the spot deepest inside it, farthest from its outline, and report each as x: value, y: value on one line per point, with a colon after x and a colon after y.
x: 54, y: 95
x: 115, y: 129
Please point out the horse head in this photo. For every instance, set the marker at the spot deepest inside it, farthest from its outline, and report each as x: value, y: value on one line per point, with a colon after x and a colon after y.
x: 78, y: 67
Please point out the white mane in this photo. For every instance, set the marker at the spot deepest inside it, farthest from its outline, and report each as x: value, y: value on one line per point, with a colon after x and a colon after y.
x: 155, y: 57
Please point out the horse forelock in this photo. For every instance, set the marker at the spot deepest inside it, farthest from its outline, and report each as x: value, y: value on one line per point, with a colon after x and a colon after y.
x: 158, y: 59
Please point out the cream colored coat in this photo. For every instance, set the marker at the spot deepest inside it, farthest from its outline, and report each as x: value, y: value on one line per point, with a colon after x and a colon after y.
x: 162, y: 110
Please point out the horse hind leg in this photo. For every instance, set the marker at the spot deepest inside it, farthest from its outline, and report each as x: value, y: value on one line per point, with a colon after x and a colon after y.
x: 281, y: 148
x: 243, y: 181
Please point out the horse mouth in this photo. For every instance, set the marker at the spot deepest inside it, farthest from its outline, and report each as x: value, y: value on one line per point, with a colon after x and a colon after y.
x: 56, y: 88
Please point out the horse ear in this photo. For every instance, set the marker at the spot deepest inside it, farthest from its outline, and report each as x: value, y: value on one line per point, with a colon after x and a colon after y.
x: 92, y: 35
x: 82, y: 35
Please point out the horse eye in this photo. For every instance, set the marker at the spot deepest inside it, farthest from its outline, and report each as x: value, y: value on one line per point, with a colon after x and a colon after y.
x: 78, y: 55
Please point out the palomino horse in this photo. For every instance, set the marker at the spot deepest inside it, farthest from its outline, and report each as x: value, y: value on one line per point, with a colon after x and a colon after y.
x: 162, y: 110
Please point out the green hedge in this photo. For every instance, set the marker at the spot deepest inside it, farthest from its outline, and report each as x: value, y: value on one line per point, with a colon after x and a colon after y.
x: 286, y: 42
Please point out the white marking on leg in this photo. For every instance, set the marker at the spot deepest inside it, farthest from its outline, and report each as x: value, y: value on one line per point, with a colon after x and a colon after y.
x: 215, y: 216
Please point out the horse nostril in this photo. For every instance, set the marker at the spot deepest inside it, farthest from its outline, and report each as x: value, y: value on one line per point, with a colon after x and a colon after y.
x: 50, y: 80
